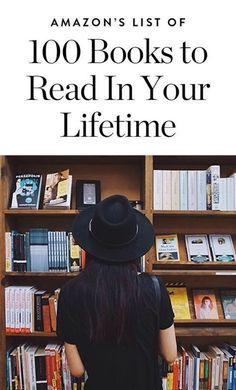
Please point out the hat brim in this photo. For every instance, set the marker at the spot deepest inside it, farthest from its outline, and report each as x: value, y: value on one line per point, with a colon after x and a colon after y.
x: 133, y: 250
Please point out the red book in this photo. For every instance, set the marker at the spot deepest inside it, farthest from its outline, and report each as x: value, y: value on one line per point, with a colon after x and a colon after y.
x: 46, y: 313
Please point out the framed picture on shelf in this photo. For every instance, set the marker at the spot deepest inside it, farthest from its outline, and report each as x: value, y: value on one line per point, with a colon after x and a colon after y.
x: 88, y: 193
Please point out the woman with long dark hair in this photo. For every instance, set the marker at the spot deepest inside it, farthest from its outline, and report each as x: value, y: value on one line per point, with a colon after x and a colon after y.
x: 113, y: 319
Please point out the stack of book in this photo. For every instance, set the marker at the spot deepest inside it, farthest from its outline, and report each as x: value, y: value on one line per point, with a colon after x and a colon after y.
x: 195, y: 369
x: 206, y: 303
x: 40, y: 367
x: 28, y: 309
x: 199, y: 247
x: 193, y: 190
x: 42, y: 250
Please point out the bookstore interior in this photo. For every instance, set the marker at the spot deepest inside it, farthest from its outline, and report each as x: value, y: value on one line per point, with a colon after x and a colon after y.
x: 191, y: 201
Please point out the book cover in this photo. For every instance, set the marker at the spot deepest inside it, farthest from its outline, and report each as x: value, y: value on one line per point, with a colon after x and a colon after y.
x: 179, y: 301
x: 26, y: 193
x: 198, y: 249
x: 222, y: 247
x: 228, y: 300
x: 205, y: 304
x: 57, y: 193
x: 167, y: 247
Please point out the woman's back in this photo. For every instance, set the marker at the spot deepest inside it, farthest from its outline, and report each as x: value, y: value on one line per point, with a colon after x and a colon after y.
x: 131, y: 364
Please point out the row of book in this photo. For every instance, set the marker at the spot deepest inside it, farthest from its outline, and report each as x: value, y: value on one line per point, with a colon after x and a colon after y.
x: 35, y: 367
x: 26, y: 191
x: 28, y: 309
x: 38, y: 367
x: 40, y: 250
x: 195, y: 368
x: 199, y: 247
x: 204, y: 302
x: 194, y: 190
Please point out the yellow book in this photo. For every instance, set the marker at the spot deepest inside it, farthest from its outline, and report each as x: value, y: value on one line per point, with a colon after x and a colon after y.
x: 179, y: 301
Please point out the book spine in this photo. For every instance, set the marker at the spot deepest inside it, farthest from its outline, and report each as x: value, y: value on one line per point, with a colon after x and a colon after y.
x: 230, y: 193
x: 7, y: 310
x: 192, y: 190
x: 157, y: 189
x: 166, y: 195
x: 38, y: 315
x: 12, y: 308
x: 183, y: 179
x: 234, y: 190
x: 201, y: 190
x: 52, y: 312
x: 223, y: 194
x: 17, y: 310
x: 48, y: 367
x: 46, y: 314
x: 8, y: 252
x: 175, y: 190
x: 213, y: 190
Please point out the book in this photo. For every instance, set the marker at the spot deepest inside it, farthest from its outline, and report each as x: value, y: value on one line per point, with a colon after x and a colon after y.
x: 179, y: 301
x: 75, y: 254
x: 57, y: 193
x: 213, y: 187
x: 222, y: 247
x: 183, y: 190
x: 198, y: 249
x: 205, y: 304
x: 167, y: 247
x: 157, y: 190
x: 192, y: 190
x: 26, y: 193
x: 166, y: 190
x: 228, y: 300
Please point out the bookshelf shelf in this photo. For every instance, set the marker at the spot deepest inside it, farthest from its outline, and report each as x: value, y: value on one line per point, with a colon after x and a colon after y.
x: 40, y: 213
x: 34, y: 334
x: 187, y: 213
x: 41, y: 274
x: 133, y: 177
x: 212, y: 331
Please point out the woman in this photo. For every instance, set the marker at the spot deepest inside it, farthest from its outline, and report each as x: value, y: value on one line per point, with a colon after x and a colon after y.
x: 109, y: 316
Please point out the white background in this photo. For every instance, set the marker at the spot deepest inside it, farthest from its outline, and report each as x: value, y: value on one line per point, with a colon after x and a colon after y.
x: 35, y: 127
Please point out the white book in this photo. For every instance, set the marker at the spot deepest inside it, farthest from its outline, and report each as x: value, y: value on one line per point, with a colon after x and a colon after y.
x: 17, y: 309
x: 12, y: 308
x: 7, y: 310
x: 198, y: 249
x: 219, y: 363
x: 8, y: 252
x: 223, y: 194
x: 234, y: 191
x: 166, y: 185
x: 192, y: 190
x: 157, y: 189
x: 222, y: 247
x: 183, y: 183
x: 175, y: 190
x: 201, y: 190
x: 213, y: 187
x: 31, y: 367
x: 230, y: 191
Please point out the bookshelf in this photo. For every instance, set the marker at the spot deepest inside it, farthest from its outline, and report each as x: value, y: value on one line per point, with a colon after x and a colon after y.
x: 133, y: 177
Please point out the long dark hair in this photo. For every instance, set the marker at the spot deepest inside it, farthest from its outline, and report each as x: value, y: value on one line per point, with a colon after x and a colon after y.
x: 110, y: 297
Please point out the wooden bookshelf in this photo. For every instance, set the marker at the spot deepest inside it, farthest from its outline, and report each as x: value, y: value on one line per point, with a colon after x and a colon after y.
x: 133, y: 177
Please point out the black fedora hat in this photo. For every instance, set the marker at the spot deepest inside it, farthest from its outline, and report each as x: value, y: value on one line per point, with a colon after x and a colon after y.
x: 113, y: 231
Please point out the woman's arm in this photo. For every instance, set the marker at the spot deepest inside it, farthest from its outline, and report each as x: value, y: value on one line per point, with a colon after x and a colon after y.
x: 167, y: 344
x: 74, y: 361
